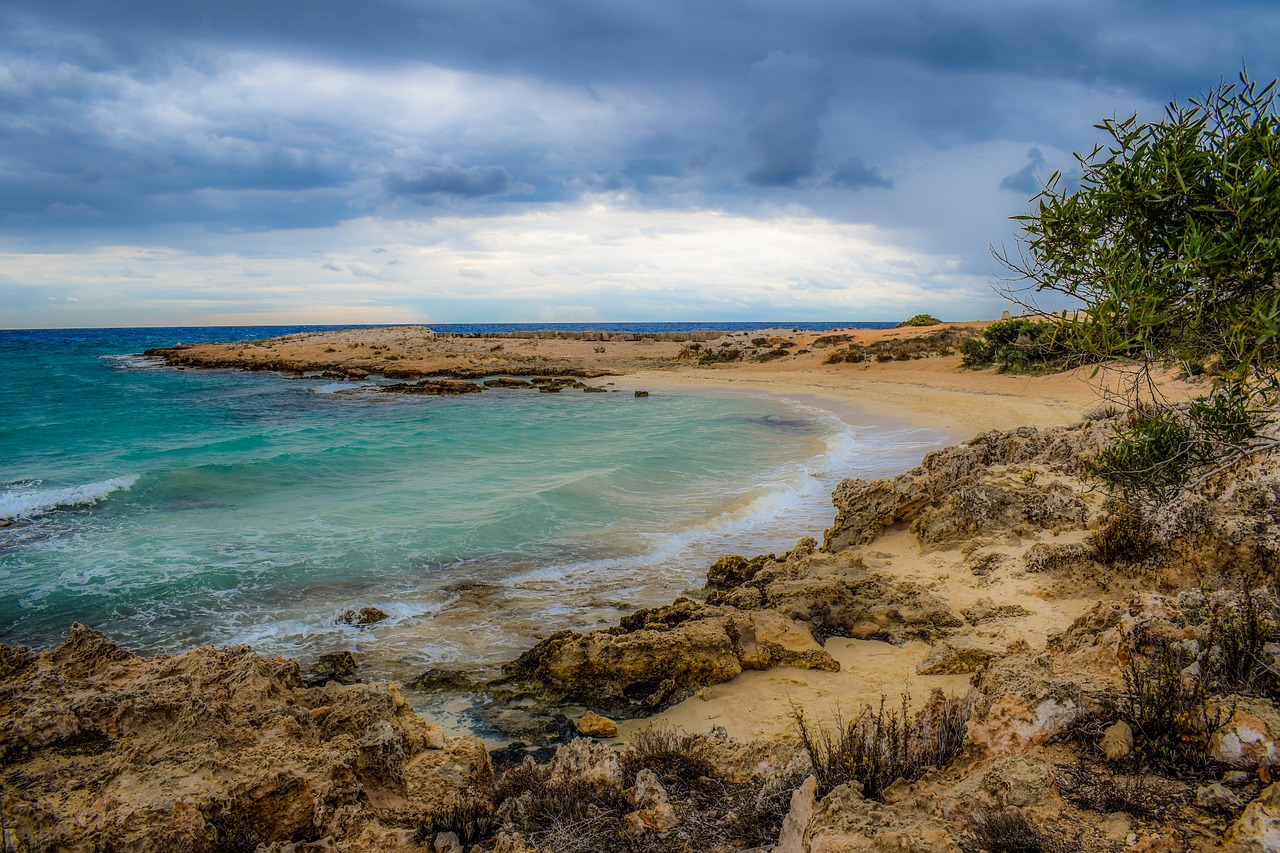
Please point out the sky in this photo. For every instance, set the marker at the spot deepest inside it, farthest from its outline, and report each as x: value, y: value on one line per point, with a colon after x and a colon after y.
x: 417, y: 161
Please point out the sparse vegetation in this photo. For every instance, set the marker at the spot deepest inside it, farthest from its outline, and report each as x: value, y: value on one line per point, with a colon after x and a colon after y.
x: 575, y: 810
x: 884, y: 745
x: 1239, y: 630
x: 720, y: 356
x: 1007, y: 830
x: 1125, y: 535
x: 932, y: 344
x: 681, y: 761
x: 1170, y: 712
x: 1135, y: 793
x: 471, y: 820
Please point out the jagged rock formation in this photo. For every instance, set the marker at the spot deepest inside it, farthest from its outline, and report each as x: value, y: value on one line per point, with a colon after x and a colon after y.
x: 105, y: 750
x: 659, y: 656
x: 1022, y: 481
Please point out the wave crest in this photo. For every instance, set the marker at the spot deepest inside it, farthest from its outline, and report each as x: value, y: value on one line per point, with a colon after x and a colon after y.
x: 25, y: 500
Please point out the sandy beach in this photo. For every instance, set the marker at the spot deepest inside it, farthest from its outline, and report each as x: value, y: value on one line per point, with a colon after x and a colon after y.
x: 934, y: 391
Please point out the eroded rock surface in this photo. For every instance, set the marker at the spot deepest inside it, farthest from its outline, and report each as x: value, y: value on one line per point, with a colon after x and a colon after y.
x: 106, y: 750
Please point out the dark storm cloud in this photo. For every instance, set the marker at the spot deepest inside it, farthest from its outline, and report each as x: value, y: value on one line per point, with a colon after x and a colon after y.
x: 1027, y: 179
x: 119, y: 120
x: 855, y: 174
x: 451, y: 180
x: 789, y: 96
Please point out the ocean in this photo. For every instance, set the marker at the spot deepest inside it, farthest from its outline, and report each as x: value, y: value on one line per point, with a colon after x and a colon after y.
x: 174, y: 508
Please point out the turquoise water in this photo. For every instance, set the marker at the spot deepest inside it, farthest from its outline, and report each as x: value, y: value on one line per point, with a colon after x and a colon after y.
x: 173, y: 508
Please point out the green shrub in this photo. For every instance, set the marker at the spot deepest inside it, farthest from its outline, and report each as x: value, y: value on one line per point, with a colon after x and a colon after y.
x: 1018, y: 345
x: 919, y: 320
x: 1239, y: 631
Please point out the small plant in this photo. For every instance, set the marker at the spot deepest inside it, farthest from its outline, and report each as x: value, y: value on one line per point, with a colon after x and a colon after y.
x: 1124, y: 536
x: 1008, y: 830
x: 1029, y: 476
x: 885, y: 745
x: 681, y: 762
x: 1239, y: 631
x: 1135, y: 793
x: 233, y: 833
x: 1169, y: 711
x: 472, y: 821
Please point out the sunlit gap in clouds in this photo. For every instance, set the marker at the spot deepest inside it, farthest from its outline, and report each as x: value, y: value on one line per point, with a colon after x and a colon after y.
x: 562, y: 262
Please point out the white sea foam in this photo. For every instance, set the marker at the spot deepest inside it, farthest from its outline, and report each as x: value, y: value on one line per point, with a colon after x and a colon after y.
x: 27, y: 500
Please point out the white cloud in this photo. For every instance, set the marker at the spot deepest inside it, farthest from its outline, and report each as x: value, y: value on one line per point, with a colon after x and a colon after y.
x: 586, y: 261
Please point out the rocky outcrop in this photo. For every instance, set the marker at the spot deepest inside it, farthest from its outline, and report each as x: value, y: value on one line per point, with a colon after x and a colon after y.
x: 1026, y: 479
x: 835, y: 593
x: 105, y: 750
x: 657, y: 657
x: 437, y: 387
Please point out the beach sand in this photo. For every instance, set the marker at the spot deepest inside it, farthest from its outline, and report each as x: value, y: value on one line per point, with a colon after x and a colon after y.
x: 934, y: 392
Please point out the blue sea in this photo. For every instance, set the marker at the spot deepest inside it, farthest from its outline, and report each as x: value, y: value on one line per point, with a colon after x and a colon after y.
x: 174, y: 508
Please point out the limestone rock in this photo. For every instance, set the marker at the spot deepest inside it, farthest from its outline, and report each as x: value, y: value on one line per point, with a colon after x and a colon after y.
x: 958, y: 655
x: 791, y: 836
x: 363, y: 616
x: 119, y: 751
x: 845, y: 822
x: 1217, y: 797
x: 447, y: 842
x: 973, y: 489
x: 659, y: 656
x: 1023, y: 703
x: 589, y: 761
x: 592, y: 724
x: 653, y: 811
x: 1117, y: 741
x: 1251, y: 737
x: 1258, y: 828
x: 335, y: 666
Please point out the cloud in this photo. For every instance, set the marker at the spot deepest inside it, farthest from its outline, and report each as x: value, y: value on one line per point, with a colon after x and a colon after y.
x: 1027, y: 179
x: 451, y: 180
x: 207, y: 129
x: 790, y: 94
x: 609, y: 262
x: 855, y: 174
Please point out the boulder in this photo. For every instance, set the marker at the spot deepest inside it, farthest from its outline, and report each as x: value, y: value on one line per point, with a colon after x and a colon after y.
x: 653, y: 811
x: 658, y: 656
x: 592, y: 724
x: 1251, y: 736
x: 363, y: 617
x: 334, y: 666
x: 1117, y: 741
x: 791, y: 835
x: 1257, y: 830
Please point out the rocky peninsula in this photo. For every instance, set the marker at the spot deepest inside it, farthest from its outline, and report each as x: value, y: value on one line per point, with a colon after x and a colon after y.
x: 1078, y: 675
